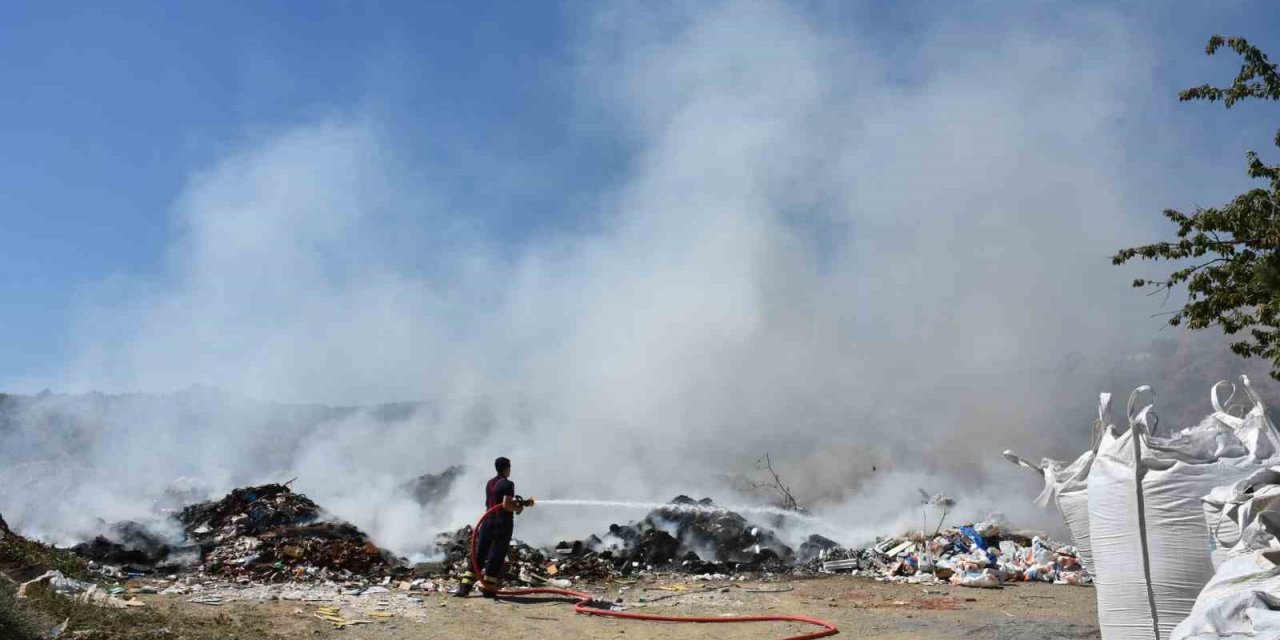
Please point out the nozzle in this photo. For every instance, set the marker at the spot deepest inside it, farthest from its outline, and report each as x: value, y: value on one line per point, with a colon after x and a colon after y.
x: 528, y: 502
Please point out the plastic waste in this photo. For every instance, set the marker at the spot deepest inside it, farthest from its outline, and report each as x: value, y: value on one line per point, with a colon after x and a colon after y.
x: 57, y: 582
x: 972, y: 534
x: 986, y: 579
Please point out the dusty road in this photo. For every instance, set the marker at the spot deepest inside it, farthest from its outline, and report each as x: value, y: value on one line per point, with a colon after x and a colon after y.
x: 862, y: 608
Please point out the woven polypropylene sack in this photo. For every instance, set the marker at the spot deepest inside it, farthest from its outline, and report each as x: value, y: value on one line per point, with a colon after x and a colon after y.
x: 1241, y: 600
x: 1150, y: 544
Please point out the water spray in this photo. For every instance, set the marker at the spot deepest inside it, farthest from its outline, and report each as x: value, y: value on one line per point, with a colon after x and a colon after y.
x: 684, y: 508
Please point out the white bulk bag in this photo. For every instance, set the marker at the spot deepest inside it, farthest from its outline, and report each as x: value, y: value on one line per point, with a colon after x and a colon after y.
x: 1232, y: 514
x: 1150, y: 544
x: 1230, y: 509
x: 1067, y: 484
x: 1242, y: 600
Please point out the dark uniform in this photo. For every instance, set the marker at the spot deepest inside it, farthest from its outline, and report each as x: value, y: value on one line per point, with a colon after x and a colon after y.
x: 495, y: 534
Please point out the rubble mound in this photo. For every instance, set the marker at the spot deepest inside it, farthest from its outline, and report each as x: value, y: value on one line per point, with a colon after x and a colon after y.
x: 270, y: 533
x: 531, y: 565
x: 686, y: 536
x: 693, y: 536
x: 813, y: 547
x: 455, y: 546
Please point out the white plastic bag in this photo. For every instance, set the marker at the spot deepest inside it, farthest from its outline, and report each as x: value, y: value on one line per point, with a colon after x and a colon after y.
x: 1150, y: 544
x: 986, y: 579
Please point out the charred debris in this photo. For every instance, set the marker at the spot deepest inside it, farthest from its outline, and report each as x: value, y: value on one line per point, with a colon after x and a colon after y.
x: 264, y: 533
x: 686, y: 536
x: 271, y: 534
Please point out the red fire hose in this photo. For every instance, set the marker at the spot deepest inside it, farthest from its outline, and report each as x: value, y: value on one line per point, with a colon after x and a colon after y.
x: 584, y: 600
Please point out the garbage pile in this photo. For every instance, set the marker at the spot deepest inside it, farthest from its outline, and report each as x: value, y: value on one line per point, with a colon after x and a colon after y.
x: 269, y: 533
x: 815, y: 546
x: 982, y: 555
x: 578, y: 560
x: 686, y: 535
x: 696, y: 537
x: 455, y: 546
x: 529, y: 565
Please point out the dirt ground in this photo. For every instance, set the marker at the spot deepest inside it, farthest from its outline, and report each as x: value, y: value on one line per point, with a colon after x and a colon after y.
x: 862, y: 608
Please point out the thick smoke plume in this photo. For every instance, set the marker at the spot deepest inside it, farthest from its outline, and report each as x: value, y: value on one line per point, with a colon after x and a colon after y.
x: 843, y: 256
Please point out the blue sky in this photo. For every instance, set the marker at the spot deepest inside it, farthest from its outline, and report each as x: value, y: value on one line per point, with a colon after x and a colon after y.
x: 108, y: 112
x: 110, y: 109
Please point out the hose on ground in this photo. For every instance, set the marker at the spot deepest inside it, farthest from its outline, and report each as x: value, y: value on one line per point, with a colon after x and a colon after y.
x: 584, y: 600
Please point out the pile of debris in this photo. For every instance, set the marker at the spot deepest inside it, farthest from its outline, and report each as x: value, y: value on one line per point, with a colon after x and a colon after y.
x: 455, y: 547
x: 696, y: 537
x: 525, y: 564
x: 578, y: 560
x: 270, y: 533
x: 687, y: 536
x: 975, y: 555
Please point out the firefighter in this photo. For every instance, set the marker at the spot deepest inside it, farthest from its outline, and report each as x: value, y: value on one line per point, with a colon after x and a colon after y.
x: 494, y: 537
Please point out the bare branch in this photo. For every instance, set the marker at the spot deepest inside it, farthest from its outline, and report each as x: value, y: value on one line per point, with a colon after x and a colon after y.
x: 775, y: 484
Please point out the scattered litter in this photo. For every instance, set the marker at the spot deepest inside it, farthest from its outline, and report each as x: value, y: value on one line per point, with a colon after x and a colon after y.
x: 60, y: 629
x: 56, y: 581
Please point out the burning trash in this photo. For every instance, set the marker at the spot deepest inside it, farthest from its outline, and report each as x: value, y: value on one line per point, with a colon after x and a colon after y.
x: 690, y: 536
x: 684, y: 536
x: 697, y: 537
x: 270, y: 533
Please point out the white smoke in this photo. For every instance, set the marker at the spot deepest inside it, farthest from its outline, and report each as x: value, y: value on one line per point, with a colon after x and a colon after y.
x: 843, y: 257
